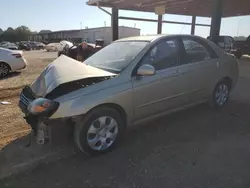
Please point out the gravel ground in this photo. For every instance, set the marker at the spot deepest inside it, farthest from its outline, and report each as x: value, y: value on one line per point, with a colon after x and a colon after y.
x: 12, y: 125
x: 37, y: 60
x: 196, y: 148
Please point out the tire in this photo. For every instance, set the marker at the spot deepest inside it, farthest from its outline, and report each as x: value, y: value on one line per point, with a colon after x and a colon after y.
x: 221, y: 94
x: 90, y: 134
x: 4, y: 69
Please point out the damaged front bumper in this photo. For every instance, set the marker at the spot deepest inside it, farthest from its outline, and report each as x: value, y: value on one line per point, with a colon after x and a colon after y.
x: 39, y: 128
x: 42, y: 127
x: 26, y: 97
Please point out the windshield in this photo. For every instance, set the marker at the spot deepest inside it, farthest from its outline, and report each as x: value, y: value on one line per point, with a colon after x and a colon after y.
x: 116, y: 56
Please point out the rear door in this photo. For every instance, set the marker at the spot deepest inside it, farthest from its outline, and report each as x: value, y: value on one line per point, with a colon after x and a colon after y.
x: 201, y: 67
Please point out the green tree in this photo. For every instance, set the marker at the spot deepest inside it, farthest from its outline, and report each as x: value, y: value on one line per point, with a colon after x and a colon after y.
x: 22, y: 33
x: 9, y: 35
x: 14, y: 35
x: 1, y: 34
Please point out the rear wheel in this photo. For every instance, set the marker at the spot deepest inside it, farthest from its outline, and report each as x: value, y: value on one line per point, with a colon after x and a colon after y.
x: 221, y: 94
x: 100, y: 131
x: 4, y: 69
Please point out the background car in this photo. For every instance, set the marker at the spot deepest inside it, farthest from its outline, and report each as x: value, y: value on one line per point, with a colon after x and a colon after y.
x: 130, y: 81
x: 11, y: 61
x: 65, y: 46
x: 36, y: 45
x: 241, y: 47
x: 24, y: 46
x: 70, y: 50
x: 9, y: 45
x: 52, y: 47
x: 224, y: 42
x: 33, y: 45
x: 40, y: 45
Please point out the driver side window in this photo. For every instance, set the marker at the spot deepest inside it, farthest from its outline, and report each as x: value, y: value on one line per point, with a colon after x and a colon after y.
x: 163, y: 55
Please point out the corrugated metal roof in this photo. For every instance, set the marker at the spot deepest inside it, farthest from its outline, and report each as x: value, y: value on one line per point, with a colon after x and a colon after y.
x: 180, y: 7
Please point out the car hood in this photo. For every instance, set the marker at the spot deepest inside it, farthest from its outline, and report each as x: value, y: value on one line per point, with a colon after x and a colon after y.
x: 64, y: 70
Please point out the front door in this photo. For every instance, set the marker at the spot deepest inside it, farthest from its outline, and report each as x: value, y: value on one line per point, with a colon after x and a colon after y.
x: 164, y: 90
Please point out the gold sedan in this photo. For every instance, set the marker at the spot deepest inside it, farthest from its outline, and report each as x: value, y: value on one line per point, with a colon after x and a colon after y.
x: 130, y: 81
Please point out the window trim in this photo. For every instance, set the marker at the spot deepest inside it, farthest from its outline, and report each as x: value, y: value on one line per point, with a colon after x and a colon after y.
x: 209, y: 49
x: 179, y: 52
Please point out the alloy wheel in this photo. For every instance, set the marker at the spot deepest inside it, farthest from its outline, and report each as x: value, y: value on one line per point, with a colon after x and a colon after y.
x: 102, y: 133
x: 221, y: 94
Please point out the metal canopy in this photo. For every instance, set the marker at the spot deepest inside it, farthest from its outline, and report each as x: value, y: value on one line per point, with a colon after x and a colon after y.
x: 180, y: 7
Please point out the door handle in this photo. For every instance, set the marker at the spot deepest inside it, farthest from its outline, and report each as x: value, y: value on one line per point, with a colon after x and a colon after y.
x: 217, y: 64
x: 179, y: 72
x: 175, y: 73
x: 171, y: 73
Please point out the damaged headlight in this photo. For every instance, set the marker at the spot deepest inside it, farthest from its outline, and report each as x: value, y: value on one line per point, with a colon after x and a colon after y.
x: 43, y: 107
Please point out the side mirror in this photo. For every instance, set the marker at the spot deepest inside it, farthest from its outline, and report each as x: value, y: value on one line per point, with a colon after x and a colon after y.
x: 146, y: 70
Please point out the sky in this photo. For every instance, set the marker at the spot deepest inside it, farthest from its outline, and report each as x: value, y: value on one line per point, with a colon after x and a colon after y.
x: 69, y: 14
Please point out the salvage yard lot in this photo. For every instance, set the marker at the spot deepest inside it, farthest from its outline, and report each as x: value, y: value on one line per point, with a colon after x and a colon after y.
x: 12, y: 124
x: 198, y: 147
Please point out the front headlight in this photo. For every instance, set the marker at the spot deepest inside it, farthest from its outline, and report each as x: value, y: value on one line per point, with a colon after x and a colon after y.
x: 43, y: 107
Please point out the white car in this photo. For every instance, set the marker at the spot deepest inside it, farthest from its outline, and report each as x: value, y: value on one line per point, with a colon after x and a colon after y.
x: 65, y: 43
x: 52, y: 47
x: 9, y: 45
x: 11, y: 60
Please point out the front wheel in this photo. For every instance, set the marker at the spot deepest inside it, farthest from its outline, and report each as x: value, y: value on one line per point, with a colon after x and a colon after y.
x: 100, y: 131
x: 221, y: 94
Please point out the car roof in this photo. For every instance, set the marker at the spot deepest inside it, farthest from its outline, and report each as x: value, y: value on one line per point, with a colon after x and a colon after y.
x: 151, y: 38
x: 148, y: 38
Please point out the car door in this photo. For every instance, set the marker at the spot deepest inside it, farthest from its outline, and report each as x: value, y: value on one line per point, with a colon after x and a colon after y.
x: 200, y: 66
x: 164, y: 90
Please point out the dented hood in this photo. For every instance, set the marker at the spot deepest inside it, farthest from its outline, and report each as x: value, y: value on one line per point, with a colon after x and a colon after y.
x: 63, y: 70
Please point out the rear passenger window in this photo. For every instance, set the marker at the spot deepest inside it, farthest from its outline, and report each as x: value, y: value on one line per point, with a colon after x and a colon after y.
x: 195, y: 51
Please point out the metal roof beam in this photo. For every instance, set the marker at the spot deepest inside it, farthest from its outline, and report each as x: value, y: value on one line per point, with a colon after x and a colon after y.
x: 163, y: 21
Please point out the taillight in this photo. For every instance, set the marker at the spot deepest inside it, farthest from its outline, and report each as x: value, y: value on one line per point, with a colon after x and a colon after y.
x: 17, y: 55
